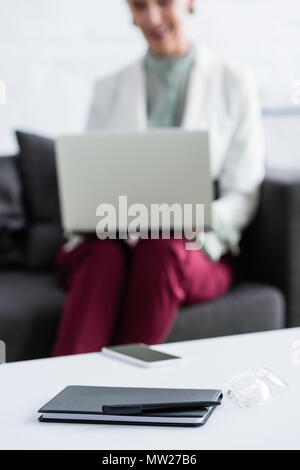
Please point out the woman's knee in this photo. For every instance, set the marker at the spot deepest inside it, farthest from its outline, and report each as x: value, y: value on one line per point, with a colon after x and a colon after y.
x: 156, y: 259
x: 159, y: 247
x: 106, y: 258
x: 105, y: 249
x: 99, y: 258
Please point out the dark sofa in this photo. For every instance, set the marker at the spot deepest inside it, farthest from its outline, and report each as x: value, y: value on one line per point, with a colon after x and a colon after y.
x: 265, y: 295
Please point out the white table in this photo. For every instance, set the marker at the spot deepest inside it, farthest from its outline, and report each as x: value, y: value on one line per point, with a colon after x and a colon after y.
x: 25, y: 386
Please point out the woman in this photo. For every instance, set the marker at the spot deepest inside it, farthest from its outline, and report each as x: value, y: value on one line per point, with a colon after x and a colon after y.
x: 120, y: 294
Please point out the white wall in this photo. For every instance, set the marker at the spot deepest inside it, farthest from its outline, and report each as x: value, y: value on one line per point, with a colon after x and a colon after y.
x: 51, y: 51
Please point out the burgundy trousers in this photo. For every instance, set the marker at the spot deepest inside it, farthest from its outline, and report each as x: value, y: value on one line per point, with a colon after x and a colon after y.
x: 121, y: 295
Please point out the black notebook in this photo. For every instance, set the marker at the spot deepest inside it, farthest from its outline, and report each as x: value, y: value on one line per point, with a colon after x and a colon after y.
x: 128, y: 405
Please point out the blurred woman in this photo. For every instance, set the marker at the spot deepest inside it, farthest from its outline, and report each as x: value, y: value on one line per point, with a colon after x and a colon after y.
x: 120, y: 293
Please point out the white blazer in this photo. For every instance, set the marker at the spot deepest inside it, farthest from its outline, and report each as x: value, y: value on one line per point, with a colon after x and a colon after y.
x: 222, y: 99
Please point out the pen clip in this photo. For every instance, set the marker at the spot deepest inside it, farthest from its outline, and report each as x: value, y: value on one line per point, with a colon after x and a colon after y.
x: 122, y: 409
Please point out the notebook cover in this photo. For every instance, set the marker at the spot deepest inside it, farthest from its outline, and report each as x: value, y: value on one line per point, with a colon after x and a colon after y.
x: 85, y: 399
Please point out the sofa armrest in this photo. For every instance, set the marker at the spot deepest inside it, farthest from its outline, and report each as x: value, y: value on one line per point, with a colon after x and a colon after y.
x: 272, y: 243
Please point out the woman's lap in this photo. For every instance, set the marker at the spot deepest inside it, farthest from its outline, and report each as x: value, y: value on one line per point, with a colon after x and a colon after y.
x: 203, y: 278
x: 121, y: 295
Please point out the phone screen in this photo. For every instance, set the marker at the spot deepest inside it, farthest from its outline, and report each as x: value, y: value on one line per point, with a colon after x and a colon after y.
x: 142, y: 352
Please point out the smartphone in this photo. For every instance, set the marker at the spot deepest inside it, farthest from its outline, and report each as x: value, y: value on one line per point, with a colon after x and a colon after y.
x: 141, y: 354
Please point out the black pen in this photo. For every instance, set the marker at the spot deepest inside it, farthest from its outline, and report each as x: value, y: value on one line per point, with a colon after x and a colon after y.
x: 139, y: 409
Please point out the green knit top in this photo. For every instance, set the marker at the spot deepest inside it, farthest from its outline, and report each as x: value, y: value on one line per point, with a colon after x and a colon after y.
x: 167, y: 84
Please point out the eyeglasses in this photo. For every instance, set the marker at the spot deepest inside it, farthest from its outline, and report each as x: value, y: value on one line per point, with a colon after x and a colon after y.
x: 254, y: 388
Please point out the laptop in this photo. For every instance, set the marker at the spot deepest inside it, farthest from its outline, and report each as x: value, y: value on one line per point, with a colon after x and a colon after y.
x: 120, y: 170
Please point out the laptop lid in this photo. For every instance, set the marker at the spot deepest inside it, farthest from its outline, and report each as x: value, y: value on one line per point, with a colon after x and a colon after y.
x: 132, y: 171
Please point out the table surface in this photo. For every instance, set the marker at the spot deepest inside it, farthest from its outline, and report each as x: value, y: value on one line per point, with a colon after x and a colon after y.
x: 210, y: 363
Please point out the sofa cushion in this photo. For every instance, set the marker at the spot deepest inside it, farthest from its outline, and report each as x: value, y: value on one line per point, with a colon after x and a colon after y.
x: 12, y: 216
x: 38, y: 174
x: 31, y: 305
x: 43, y: 242
x: 270, y: 249
x: 247, y: 308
